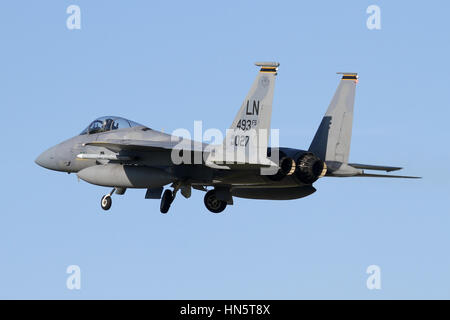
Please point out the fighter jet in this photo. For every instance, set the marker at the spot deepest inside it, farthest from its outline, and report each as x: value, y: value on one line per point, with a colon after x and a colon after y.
x: 118, y: 153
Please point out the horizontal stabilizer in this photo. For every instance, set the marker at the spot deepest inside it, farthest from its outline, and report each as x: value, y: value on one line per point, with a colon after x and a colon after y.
x: 371, y: 175
x: 374, y: 167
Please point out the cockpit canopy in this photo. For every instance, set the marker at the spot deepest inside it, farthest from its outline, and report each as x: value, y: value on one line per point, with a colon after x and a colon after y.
x: 108, y: 123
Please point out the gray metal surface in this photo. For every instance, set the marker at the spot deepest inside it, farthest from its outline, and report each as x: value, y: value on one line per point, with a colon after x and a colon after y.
x: 119, y: 153
x: 332, y: 139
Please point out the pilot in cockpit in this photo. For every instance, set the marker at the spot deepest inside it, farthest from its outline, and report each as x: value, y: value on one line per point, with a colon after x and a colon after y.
x: 106, y: 126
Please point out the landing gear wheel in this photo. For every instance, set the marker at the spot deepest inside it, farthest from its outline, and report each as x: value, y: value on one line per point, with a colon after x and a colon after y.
x: 166, y: 201
x: 106, y: 202
x: 212, y: 203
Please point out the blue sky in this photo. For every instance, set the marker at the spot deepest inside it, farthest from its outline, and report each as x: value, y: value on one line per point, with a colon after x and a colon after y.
x: 168, y: 63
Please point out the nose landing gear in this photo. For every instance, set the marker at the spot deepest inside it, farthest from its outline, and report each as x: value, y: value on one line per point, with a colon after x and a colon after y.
x: 107, y: 200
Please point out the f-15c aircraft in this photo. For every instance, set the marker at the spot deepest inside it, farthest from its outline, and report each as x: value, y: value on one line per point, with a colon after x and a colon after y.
x: 119, y: 153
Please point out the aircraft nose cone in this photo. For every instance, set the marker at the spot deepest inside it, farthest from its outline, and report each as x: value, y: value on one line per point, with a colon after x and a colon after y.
x: 47, y: 159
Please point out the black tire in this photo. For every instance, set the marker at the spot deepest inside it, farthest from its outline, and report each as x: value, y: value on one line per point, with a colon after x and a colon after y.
x: 212, y: 203
x: 106, y: 202
x: 166, y: 201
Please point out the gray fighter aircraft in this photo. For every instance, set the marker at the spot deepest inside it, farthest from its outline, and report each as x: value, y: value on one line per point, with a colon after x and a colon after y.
x: 119, y: 153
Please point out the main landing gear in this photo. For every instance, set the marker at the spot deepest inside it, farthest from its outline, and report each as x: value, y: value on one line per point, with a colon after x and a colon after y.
x: 168, y: 197
x: 166, y: 200
x: 212, y: 203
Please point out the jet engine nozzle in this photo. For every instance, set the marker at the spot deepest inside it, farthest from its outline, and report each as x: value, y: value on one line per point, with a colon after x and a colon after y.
x: 287, y: 167
x: 310, y: 168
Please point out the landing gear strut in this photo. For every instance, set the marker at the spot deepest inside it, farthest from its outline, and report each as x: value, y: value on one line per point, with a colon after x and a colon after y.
x: 212, y: 203
x: 107, y: 200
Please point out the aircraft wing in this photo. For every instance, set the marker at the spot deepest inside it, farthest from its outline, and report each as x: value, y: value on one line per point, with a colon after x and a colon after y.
x: 117, y: 145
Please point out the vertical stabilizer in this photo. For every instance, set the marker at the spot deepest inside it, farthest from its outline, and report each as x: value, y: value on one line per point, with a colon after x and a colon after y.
x: 247, y: 139
x: 332, y: 140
